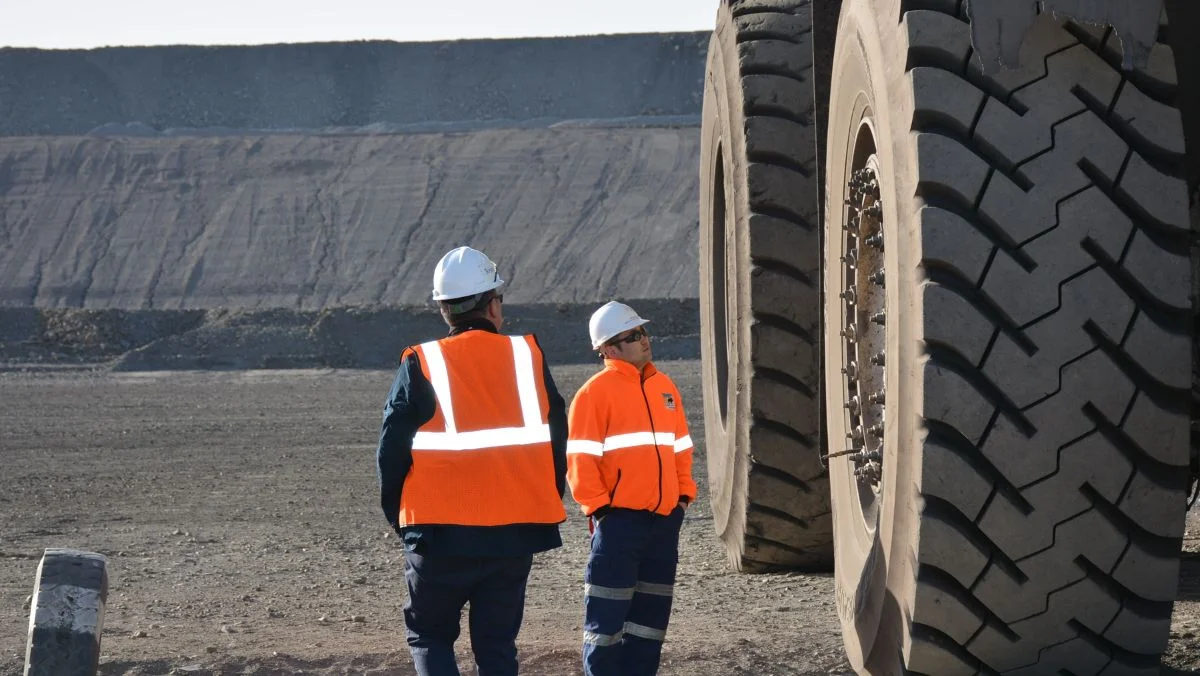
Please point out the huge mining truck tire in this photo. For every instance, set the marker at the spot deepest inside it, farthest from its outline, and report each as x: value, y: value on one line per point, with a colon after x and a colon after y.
x: 66, y: 615
x: 1009, y: 350
x: 759, y: 285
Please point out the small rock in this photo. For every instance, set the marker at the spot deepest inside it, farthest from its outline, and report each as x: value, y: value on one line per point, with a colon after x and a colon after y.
x: 28, y: 602
x: 358, y: 618
x: 139, y: 634
x: 362, y: 579
x: 322, y: 619
x: 211, y: 649
x: 226, y: 629
x: 176, y: 532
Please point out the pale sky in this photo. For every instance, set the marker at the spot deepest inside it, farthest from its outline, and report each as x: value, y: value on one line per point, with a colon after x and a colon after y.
x: 71, y: 24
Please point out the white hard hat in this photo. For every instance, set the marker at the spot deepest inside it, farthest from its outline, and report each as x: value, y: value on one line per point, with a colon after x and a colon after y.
x: 610, y: 320
x: 464, y: 272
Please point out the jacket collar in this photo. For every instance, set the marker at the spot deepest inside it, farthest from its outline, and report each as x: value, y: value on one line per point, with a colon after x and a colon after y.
x: 479, y: 324
x: 627, y: 369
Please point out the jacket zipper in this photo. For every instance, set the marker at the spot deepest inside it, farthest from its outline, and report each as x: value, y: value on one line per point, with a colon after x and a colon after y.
x: 657, y: 455
x: 612, y: 496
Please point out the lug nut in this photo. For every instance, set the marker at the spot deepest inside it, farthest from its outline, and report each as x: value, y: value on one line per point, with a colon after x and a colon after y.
x: 876, y: 278
x: 876, y: 430
x: 876, y: 397
x: 877, y: 359
x: 879, y: 318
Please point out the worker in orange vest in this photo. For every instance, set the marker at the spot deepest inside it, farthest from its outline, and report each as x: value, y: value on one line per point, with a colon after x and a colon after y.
x: 629, y: 466
x: 472, y: 465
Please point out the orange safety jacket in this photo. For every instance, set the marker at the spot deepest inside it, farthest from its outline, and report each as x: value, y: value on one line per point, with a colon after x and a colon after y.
x: 628, y: 444
x: 484, y: 458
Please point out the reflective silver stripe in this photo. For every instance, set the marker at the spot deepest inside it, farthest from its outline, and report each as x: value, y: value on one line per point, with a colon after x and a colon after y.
x: 584, y: 446
x: 645, y: 632
x: 440, y: 379
x: 534, y: 430
x: 655, y: 588
x: 601, y: 639
x: 596, y: 591
x: 526, y: 385
x: 619, y: 441
x: 478, y: 439
x: 683, y: 443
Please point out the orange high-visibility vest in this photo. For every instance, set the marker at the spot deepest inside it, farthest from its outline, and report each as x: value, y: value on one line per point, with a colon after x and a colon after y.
x: 628, y: 441
x: 484, y: 458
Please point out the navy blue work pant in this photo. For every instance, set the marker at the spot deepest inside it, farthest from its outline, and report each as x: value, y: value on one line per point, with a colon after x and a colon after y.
x: 439, y: 587
x: 628, y: 588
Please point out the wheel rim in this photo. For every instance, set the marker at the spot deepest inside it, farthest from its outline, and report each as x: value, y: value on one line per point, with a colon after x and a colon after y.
x: 720, y: 290
x: 864, y: 305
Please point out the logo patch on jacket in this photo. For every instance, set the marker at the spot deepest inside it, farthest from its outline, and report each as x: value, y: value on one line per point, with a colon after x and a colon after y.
x: 669, y: 400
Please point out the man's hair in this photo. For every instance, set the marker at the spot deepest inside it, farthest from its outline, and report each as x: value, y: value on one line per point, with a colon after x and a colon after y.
x: 459, y: 310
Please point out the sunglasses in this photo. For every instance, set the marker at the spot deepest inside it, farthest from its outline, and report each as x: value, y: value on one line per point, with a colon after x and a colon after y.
x: 633, y: 337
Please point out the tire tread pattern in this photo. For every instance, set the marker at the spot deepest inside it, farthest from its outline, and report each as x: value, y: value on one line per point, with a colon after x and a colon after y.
x: 1073, y: 415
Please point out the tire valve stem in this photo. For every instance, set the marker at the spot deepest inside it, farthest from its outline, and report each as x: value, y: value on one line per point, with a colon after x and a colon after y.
x: 877, y: 358
x: 879, y: 318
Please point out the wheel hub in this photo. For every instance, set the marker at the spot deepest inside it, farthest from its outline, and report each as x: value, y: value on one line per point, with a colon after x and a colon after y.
x: 864, y: 305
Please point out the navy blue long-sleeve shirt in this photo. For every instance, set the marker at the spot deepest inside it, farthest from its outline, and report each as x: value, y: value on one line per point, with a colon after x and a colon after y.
x: 410, y: 404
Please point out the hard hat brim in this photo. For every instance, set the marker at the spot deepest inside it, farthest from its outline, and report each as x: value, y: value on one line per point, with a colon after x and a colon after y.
x: 495, y: 284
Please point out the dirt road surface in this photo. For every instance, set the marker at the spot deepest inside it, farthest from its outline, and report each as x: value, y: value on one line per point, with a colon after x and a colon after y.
x: 240, y: 515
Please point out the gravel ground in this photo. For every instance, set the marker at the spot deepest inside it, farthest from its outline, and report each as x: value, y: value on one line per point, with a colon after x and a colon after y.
x: 240, y: 514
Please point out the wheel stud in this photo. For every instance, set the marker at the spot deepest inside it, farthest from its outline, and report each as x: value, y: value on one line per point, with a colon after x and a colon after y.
x: 852, y: 405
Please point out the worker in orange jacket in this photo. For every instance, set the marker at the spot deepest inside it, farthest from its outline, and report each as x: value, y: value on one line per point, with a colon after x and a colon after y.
x: 629, y: 466
x: 472, y: 465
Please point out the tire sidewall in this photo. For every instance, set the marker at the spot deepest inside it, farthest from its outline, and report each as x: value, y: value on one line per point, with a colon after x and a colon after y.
x: 864, y: 556
x: 724, y: 436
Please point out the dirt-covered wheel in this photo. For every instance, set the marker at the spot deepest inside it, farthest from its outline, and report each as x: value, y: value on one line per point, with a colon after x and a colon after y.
x: 1007, y: 328
x: 760, y: 297
x: 66, y: 616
